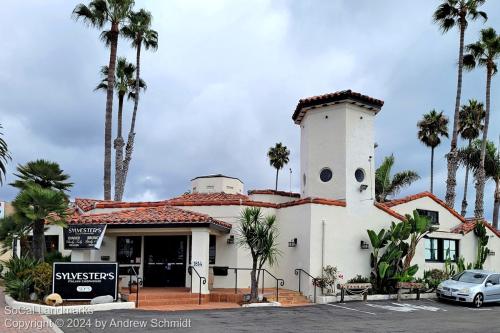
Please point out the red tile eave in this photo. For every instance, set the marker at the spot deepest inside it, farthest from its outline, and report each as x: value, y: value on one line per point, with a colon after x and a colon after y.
x: 409, y: 198
x: 389, y: 211
x: 469, y: 226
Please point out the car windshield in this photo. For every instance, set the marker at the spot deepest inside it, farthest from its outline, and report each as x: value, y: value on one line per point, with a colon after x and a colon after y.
x: 470, y: 277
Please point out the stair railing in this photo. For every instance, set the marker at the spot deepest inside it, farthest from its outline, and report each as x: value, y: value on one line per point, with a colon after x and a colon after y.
x: 299, y: 271
x: 138, y: 281
x: 279, y: 282
x: 202, y: 280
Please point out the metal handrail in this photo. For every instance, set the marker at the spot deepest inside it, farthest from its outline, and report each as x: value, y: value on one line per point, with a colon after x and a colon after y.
x: 279, y: 282
x: 202, y: 280
x: 138, y: 281
x: 299, y: 271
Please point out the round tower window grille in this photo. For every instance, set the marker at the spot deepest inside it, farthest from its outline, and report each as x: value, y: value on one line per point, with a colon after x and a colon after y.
x: 359, y: 174
x: 325, y: 175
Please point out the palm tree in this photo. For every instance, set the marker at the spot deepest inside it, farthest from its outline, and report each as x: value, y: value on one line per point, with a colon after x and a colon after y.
x: 484, y: 53
x: 278, y: 158
x: 472, y: 155
x: 387, y: 185
x: 4, y: 157
x: 97, y: 14
x: 40, y: 206
x: 431, y: 128
x: 450, y: 14
x: 470, y: 125
x: 42, y: 198
x: 259, y: 235
x: 140, y: 33
x: 124, y: 85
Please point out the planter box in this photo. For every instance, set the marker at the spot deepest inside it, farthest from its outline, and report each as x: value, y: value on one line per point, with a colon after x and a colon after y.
x: 350, y: 298
x: 70, y: 309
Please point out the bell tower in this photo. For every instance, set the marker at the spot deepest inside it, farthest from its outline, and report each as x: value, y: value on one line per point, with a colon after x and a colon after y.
x: 337, y: 146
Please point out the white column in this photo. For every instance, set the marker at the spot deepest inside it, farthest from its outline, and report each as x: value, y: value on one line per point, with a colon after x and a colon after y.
x: 200, y: 241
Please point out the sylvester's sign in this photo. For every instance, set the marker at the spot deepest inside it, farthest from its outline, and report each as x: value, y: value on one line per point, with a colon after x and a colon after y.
x: 84, y: 236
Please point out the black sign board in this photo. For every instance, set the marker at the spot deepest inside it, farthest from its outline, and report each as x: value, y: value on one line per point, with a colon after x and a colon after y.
x: 80, y: 281
x: 83, y: 236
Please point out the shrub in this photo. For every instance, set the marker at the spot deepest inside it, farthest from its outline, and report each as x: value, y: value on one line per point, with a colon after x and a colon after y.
x: 18, y: 268
x: 19, y: 289
x: 327, y: 281
x: 41, y: 276
x: 359, y: 279
x: 434, y: 277
x: 56, y: 256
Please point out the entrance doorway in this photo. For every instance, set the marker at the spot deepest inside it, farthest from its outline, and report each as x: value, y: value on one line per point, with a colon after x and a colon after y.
x: 165, y: 261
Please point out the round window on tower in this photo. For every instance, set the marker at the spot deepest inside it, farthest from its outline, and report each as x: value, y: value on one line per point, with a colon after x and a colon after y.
x: 360, y: 175
x: 325, y: 175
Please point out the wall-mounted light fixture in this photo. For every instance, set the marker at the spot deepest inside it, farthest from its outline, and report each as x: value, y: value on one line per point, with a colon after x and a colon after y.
x: 363, y: 187
x: 292, y: 243
x: 491, y: 253
x: 230, y: 240
x: 364, y: 245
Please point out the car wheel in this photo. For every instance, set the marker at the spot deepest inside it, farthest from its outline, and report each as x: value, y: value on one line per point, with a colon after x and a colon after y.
x: 478, y: 301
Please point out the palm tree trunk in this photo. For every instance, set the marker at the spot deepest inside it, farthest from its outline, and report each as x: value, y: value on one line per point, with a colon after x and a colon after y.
x: 131, y: 135
x: 432, y: 169
x: 38, y: 249
x: 466, y: 185
x: 481, y: 177
x: 118, y: 145
x: 451, y: 182
x: 276, y: 185
x: 496, y: 204
x: 254, y: 283
x: 108, y: 121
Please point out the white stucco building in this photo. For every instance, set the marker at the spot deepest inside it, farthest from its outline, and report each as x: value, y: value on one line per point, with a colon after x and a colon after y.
x: 328, y: 218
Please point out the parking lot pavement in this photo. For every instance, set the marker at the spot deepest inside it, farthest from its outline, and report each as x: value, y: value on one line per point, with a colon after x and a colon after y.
x: 385, y: 316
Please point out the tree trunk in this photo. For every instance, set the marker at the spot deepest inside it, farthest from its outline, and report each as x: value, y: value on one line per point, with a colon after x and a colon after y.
x: 276, y: 185
x: 432, y: 169
x: 38, y: 249
x: 496, y: 204
x: 466, y: 185
x: 254, y: 283
x: 108, y: 121
x: 118, y: 145
x: 451, y: 182
x: 131, y: 135
x: 481, y: 179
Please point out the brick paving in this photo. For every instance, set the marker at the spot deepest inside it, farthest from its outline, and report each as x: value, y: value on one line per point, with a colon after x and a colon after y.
x: 15, y: 323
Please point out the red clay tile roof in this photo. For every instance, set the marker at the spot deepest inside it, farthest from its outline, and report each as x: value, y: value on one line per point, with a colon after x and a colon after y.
x: 87, y: 204
x: 389, y: 211
x: 367, y: 101
x: 274, y: 192
x: 148, y: 215
x: 409, y: 198
x: 470, y: 224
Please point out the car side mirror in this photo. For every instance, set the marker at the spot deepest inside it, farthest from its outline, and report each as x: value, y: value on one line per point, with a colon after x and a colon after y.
x: 489, y: 284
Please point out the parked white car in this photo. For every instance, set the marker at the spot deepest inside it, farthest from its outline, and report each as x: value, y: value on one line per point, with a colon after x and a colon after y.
x: 471, y: 286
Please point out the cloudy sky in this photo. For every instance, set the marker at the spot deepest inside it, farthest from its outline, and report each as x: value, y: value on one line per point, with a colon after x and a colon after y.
x: 224, y: 83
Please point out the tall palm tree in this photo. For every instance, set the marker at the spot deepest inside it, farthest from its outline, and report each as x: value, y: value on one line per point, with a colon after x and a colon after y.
x: 470, y: 125
x: 124, y: 85
x: 97, y: 14
x: 450, y: 14
x: 431, y: 128
x: 485, y: 53
x: 278, y: 158
x: 472, y: 155
x: 140, y: 33
x: 42, y: 198
x: 388, y: 185
x: 4, y: 157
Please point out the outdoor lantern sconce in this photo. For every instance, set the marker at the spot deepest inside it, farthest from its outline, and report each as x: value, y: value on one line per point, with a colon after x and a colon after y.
x: 230, y: 240
x: 292, y: 243
x: 363, y: 187
x: 491, y: 253
x: 364, y: 245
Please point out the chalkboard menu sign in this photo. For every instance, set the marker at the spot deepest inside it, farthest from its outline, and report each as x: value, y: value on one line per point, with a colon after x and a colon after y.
x: 84, y: 236
x: 78, y: 281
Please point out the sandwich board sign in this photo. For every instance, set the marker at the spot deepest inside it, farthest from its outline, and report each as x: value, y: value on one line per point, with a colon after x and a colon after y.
x: 79, y: 281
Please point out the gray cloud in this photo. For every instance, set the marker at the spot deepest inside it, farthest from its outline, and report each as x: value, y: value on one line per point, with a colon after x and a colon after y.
x: 224, y: 83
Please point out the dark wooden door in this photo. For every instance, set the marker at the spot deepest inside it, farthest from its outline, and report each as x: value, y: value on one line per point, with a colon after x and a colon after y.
x: 165, y: 261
